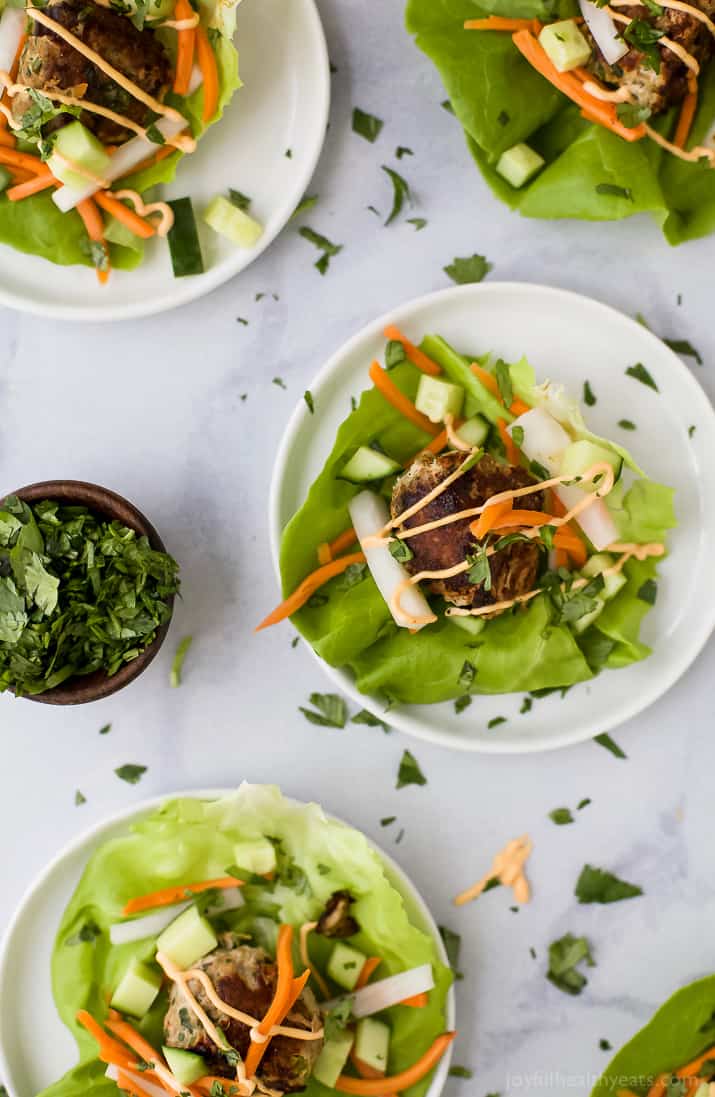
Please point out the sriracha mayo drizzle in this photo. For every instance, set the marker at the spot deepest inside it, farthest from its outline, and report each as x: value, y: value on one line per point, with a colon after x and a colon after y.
x: 508, y: 869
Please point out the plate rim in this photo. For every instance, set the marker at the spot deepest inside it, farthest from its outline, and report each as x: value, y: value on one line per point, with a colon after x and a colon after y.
x: 219, y: 276
x: 687, y: 654
x: 91, y: 834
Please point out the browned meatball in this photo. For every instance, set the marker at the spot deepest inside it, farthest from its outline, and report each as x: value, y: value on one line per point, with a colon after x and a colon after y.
x: 513, y: 570
x: 245, y: 978
x: 49, y: 64
x: 658, y: 90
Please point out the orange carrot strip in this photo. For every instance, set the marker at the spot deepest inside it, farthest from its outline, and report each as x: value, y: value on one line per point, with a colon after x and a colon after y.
x: 343, y: 541
x: 6, y: 137
x: 125, y: 215
x: 518, y: 407
x: 490, y: 518
x: 687, y: 115
x: 167, y: 896
x: 488, y: 380
x: 417, y: 1001
x: 692, y: 1068
x: 561, y: 558
x: 283, y: 996
x: 659, y: 1086
x: 523, y: 518
x: 32, y: 186
x: 569, y: 85
x: 415, y: 355
x: 499, y: 22
x: 92, y: 220
x: 209, y: 70
x: 24, y: 160
x: 324, y: 553
x: 145, y: 1051
x: 185, y: 48
x: 366, y: 971
x: 574, y: 546
x: 399, y: 401
x: 110, y: 1051
x: 376, y: 1087
x: 367, y: 1071
x: 512, y: 450
x: 308, y: 587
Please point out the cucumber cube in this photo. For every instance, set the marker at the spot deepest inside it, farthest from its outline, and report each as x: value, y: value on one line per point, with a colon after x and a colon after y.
x: 565, y: 45
x: 582, y: 623
x: 583, y: 455
x: 372, y: 1043
x: 436, y: 398
x: 599, y: 563
x: 367, y: 465
x: 519, y: 164
x: 137, y: 990
x: 474, y: 431
x: 255, y: 855
x: 472, y: 625
x: 332, y: 1059
x: 187, y: 939
x: 76, y: 146
x: 186, y: 1066
x: 345, y: 965
x: 230, y: 221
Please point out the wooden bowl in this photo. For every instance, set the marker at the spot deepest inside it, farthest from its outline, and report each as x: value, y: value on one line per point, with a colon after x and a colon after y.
x: 93, y: 687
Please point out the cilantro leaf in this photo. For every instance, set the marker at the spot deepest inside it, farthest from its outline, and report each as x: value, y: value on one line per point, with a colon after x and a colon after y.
x: 400, y: 550
x: 615, y: 191
x: 609, y: 744
x: 641, y: 374
x: 561, y: 816
x: 452, y: 944
x: 400, y: 193
x: 626, y: 424
x: 564, y: 956
x: 130, y: 773
x: 644, y: 36
x: 479, y: 570
x: 79, y: 798
x: 418, y: 222
x: 468, y: 270
x: 462, y: 702
x: 648, y: 592
x: 87, y: 934
x: 367, y: 718
x: 394, y: 354
x: 332, y: 710
x: 409, y: 772
x: 366, y: 125
x: 596, y: 885
x: 307, y: 202
x: 684, y: 348
x: 177, y: 665
x: 589, y: 398
x: 310, y: 403
x: 239, y: 200
x: 328, y: 249
x: 503, y: 377
x: 632, y: 115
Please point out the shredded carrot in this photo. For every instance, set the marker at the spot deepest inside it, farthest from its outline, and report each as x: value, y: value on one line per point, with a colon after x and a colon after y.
x: 127, y: 217
x: 308, y: 587
x: 517, y: 518
x: 167, y: 896
x: 343, y: 541
x: 367, y: 1071
x: 519, y: 407
x: 561, y: 558
x: 31, y: 186
x: 512, y: 450
x: 435, y: 446
x: 692, y: 1068
x: 24, y: 160
x: 602, y: 113
x: 283, y: 997
x: 415, y: 355
x: 417, y: 1001
x: 324, y: 553
x: 110, y: 1051
x: 6, y: 137
x: 370, y: 965
x: 490, y: 518
x: 134, y: 1040
x: 92, y: 220
x: 185, y: 48
x: 376, y: 1087
x: 687, y: 115
x: 659, y: 1086
x: 500, y: 22
x: 209, y: 70
x: 572, y: 545
x: 488, y: 380
x: 399, y: 401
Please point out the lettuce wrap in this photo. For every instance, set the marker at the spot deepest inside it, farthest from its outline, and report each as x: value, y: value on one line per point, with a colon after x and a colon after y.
x: 590, y: 173
x: 679, y: 1034
x: 190, y: 840
x: 36, y: 226
x: 349, y: 624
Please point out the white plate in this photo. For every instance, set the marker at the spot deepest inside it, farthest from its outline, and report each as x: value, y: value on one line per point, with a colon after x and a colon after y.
x: 569, y: 339
x: 35, y: 1047
x: 283, y: 104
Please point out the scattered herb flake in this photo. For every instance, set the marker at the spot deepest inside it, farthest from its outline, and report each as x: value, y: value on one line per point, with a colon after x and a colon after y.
x: 610, y: 744
x: 691, y: 431
x: 460, y: 1072
x: 503, y: 118
x: 684, y: 348
x: 644, y: 36
x: 306, y: 203
x: 400, y: 836
x: 79, y: 798
x: 242, y: 320
x: 418, y: 222
x: 496, y: 721
x: 332, y: 710
x: 131, y: 773
x: 295, y: 641
x: 626, y: 424
x: 589, y: 398
x: 526, y: 706
x: 467, y: 675
x: 177, y: 665
x: 288, y: 154
x: 604, y: 1045
x: 366, y: 125
x: 280, y: 383
x: 615, y: 191
x: 641, y: 374
x: 240, y: 201
x: 503, y: 376
x: 583, y: 803
x: 400, y: 193
x: 596, y: 885
x: 371, y: 721
x: 87, y: 934
x: 402, y: 150
x: 462, y: 702
x: 468, y: 270
x: 310, y: 403
x: 326, y: 246
x: 632, y: 115
x: 394, y: 354
x: 452, y: 944
x: 400, y: 550
x: 105, y: 729
x: 561, y: 816
x: 564, y: 956
x: 388, y: 820
x: 648, y: 592
x: 446, y: 105
x: 409, y: 772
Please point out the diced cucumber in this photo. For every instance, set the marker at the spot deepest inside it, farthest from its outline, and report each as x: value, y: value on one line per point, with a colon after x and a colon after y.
x: 519, y: 164
x: 228, y: 220
x: 5, y: 179
x: 159, y: 9
x: 582, y: 623
x: 137, y: 990
x: 436, y: 399
x: 474, y: 431
x: 368, y: 464
x: 332, y: 1059
x: 372, y: 1043
x: 256, y: 855
x: 186, y: 1066
x: 184, y: 246
x: 74, y: 143
x: 565, y: 45
x: 187, y: 939
x: 345, y: 965
x: 580, y: 456
x: 472, y: 625
x: 599, y: 563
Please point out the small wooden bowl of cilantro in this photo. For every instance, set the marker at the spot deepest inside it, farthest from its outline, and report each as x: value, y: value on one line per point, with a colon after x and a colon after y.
x: 86, y: 592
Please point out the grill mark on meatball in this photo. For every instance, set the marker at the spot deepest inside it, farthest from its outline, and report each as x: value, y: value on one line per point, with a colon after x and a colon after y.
x: 514, y: 569
x: 48, y: 63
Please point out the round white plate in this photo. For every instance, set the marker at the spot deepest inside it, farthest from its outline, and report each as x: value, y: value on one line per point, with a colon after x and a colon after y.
x: 569, y: 339
x: 283, y: 105
x: 35, y: 1047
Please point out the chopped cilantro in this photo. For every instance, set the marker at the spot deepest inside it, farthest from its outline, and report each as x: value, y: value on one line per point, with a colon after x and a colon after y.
x: 589, y: 398
x: 526, y: 705
x: 79, y: 798
x: 400, y: 550
x: 648, y: 592
x: 610, y: 744
x: 310, y: 403
x: 583, y: 803
x: 332, y: 710
x: 400, y: 193
x: 306, y: 203
x: 691, y: 431
x: 468, y: 270
x: 684, y: 348
x: 641, y: 374
x: 604, y: 1045
x: 596, y: 885
x: 460, y: 1072
x: 242, y: 320
x: 394, y: 354
x: 462, y: 702
x: 503, y: 118
x: 503, y: 377
x: 644, y: 36
x: 87, y: 934
x: 467, y: 675
x: 402, y: 150
x: 366, y: 125
x: 561, y: 816
x: 479, y: 570
x: 409, y: 772
x: 446, y: 105
x: 564, y: 956
x: 177, y: 665
x: 130, y: 773
x: 626, y: 424
x: 418, y: 222
x: 105, y: 729
x: 240, y: 201
x: 328, y: 249
x: 615, y: 191
x: 496, y: 721
x: 388, y: 820
x: 632, y: 115
x: 279, y: 383
x: 367, y: 718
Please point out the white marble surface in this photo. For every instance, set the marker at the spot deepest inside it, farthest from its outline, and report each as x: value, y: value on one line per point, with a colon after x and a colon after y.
x: 153, y: 409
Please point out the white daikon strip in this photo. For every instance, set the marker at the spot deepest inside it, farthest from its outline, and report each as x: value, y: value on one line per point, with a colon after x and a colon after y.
x: 370, y: 515
x: 150, y: 925
x: 143, y: 1085
x: 197, y: 79
x: 604, y: 31
x: 387, y: 992
x: 127, y: 157
x: 544, y: 442
x: 12, y: 28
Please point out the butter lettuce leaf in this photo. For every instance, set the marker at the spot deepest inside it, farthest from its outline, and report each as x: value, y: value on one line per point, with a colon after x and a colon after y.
x: 187, y: 840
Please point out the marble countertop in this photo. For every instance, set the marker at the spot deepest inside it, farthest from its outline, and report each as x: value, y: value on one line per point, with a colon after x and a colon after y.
x: 164, y: 422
